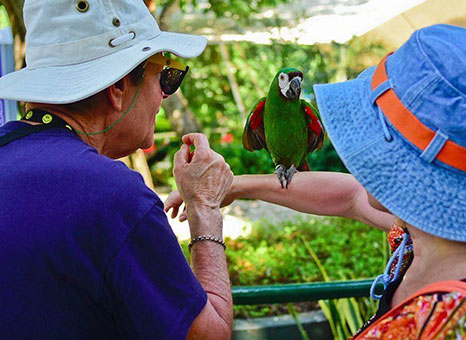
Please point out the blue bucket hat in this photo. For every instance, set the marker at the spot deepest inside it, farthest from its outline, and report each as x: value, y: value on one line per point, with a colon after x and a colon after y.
x: 400, y: 128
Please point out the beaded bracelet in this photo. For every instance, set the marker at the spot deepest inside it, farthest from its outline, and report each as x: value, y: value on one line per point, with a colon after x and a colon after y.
x: 206, y: 238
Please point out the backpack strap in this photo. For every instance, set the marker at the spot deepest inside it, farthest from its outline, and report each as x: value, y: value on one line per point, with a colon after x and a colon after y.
x: 437, y: 287
x: 21, y: 132
x: 48, y: 121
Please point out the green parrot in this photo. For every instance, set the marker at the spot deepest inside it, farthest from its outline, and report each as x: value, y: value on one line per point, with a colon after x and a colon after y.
x: 284, y: 125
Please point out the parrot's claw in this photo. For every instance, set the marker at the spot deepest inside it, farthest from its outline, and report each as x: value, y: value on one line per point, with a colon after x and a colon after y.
x: 289, y: 174
x: 281, y: 173
x: 285, y: 175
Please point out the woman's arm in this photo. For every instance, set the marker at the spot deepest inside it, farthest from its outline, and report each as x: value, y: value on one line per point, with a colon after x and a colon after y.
x: 319, y: 193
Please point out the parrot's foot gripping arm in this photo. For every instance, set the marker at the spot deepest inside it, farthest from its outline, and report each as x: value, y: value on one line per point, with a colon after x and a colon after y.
x: 285, y: 175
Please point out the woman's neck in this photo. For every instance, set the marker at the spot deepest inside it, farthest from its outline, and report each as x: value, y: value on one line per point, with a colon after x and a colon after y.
x: 435, y: 259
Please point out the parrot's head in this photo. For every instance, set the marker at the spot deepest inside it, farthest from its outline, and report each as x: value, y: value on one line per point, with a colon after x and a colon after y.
x: 289, y: 82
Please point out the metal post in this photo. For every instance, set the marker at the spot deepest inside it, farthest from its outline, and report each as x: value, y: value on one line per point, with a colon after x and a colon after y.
x: 252, y: 295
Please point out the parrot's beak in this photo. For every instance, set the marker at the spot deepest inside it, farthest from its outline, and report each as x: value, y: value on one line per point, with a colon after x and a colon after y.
x: 294, y: 91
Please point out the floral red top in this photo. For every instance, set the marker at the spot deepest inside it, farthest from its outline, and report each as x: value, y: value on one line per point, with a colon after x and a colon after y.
x: 428, y: 316
x: 435, y: 312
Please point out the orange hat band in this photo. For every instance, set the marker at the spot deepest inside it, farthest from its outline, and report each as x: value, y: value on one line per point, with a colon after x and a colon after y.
x: 411, y: 127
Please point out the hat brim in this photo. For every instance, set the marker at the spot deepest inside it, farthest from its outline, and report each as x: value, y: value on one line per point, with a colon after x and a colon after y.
x: 71, y: 83
x: 426, y: 195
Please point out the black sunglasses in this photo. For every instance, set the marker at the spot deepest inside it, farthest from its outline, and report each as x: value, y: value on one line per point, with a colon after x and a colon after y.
x: 172, y: 74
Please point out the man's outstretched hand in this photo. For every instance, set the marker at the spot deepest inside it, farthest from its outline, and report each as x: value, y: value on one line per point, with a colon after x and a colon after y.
x: 174, y: 202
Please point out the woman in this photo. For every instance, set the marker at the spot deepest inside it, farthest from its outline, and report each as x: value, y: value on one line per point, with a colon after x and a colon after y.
x: 400, y: 129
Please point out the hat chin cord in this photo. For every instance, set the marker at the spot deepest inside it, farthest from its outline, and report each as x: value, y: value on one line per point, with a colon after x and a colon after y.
x: 119, y: 119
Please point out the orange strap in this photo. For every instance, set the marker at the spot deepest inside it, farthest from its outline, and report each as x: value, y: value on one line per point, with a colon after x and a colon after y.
x: 437, y: 287
x: 410, y: 126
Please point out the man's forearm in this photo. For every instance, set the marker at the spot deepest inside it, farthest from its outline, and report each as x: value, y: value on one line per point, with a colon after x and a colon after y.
x: 209, y: 265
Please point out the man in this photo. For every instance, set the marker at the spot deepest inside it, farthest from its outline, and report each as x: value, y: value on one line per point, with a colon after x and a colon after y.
x: 85, y: 247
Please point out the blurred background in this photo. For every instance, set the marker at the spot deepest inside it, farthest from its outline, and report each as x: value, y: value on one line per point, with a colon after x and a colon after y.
x: 249, y: 41
x: 329, y: 40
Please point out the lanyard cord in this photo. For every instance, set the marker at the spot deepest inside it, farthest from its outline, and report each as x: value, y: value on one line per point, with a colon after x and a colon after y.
x: 124, y: 114
x: 47, y: 118
x: 50, y: 121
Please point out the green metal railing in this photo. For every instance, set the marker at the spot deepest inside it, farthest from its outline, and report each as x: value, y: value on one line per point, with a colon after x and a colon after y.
x: 253, y: 295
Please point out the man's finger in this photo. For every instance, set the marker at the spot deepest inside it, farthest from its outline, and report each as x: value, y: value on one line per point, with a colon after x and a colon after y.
x: 173, y: 199
x: 175, y: 211
x: 168, y: 204
x: 182, y: 156
x: 197, y: 139
x: 183, y: 217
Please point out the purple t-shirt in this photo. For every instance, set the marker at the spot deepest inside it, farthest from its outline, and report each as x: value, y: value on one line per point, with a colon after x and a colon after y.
x: 86, y: 251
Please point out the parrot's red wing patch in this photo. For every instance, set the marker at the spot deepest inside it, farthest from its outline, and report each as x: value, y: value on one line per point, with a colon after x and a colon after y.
x: 256, y: 118
x: 254, y: 134
x: 309, y: 111
x: 314, y: 123
x: 315, y: 130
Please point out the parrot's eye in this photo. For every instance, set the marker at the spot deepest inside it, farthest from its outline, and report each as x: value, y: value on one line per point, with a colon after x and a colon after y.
x: 282, y: 80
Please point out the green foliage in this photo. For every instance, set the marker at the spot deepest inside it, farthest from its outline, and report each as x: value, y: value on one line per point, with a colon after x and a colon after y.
x: 347, y: 315
x: 236, y: 9
x: 295, y: 316
x: 326, y: 159
x: 344, y: 315
x: 278, y: 253
x: 245, y: 162
x: 162, y: 122
x: 4, y: 20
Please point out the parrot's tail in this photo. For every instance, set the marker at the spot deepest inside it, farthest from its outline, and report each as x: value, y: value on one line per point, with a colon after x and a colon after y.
x: 304, y: 166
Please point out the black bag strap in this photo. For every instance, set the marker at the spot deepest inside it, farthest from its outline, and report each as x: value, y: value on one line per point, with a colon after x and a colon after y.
x: 48, y: 121
x: 22, y: 132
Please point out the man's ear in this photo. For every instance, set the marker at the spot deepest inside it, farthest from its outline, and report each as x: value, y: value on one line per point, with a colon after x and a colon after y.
x: 116, y: 93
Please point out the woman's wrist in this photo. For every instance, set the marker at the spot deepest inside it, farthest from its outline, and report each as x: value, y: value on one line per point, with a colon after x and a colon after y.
x: 241, y: 186
x: 251, y: 186
x: 233, y: 193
